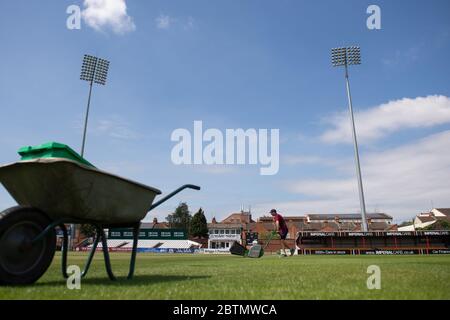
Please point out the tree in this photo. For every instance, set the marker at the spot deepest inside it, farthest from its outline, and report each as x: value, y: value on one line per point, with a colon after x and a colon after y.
x: 438, y: 225
x: 181, y: 218
x: 199, y: 226
x: 406, y: 223
x: 88, y: 230
x: 266, y: 235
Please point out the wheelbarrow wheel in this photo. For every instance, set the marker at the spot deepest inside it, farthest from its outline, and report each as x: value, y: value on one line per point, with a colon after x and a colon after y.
x: 23, y: 261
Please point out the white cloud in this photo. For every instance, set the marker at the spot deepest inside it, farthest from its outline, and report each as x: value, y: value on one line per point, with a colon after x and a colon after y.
x: 309, y: 160
x: 401, y: 181
x: 164, y: 21
x: 190, y: 24
x: 103, y: 14
x: 382, y: 120
x: 294, y: 160
x: 217, y: 169
x: 115, y: 127
x: 407, y: 56
x: 134, y: 169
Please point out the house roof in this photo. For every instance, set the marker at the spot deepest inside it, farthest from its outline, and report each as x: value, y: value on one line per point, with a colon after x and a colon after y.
x: 150, y: 225
x: 329, y: 227
x: 224, y: 226
x: 313, y: 226
x: 443, y: 218
x: 347, y: 226
x: 426, y: 218
x: 441, y: 223
x: 445, y: 211
x: 348, y: 216
x: 379, y: 226
x: 297, y: 224
x: 393, y: 227
x: 317, y: 223
x: 286, y: 218
x: 241, y: 217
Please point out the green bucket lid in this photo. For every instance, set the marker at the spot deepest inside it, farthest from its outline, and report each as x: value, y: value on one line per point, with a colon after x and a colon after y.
x: 51, y: 150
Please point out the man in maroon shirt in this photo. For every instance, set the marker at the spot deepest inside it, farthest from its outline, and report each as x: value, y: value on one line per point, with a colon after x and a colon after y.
x: 282, y: 229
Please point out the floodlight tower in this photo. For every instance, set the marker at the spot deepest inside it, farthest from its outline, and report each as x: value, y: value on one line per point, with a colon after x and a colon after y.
x: 94, y: 70
x: 345, y: 56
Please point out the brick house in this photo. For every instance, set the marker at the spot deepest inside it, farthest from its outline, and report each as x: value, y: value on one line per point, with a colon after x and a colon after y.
x: 237, y: 226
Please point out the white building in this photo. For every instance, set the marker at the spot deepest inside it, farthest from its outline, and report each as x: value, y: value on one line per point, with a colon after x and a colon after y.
x: 222, y: 235
x: 426, y: 219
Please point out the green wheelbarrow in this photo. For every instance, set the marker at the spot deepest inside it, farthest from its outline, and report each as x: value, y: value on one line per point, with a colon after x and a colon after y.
x: 52, y: 192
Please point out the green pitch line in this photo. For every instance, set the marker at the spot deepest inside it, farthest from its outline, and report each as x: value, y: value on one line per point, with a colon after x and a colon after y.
x: 230, y: 277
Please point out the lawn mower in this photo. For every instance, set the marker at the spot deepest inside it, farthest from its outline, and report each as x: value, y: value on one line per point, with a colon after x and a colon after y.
x: 255, y: 251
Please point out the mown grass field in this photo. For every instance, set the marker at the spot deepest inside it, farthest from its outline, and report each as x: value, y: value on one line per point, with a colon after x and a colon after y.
x: 229, y: 277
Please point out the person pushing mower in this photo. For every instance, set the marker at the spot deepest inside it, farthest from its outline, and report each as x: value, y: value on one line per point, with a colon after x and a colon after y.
x: 282, y: 229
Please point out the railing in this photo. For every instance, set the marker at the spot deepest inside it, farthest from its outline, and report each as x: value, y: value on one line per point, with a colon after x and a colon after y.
x: 232, y: 237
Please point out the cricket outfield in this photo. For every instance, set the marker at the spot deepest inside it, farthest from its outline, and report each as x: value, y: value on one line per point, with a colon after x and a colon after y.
x: 202, y: 276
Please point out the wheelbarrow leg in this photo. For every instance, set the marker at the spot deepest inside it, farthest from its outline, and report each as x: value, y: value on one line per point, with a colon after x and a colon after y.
x: 106, y: 254
x: 64, y: 249
x: 134, y: 251
x: 91, y: 255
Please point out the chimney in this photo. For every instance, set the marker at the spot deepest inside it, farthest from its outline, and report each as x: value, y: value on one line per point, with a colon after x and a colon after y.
x: 155, y: 220
x: 214, y: 220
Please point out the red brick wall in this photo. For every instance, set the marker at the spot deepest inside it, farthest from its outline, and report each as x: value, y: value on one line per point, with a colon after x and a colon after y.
x: 275, y: 245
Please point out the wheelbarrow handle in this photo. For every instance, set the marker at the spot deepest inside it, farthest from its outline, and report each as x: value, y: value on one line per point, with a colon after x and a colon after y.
x: 170, y: 195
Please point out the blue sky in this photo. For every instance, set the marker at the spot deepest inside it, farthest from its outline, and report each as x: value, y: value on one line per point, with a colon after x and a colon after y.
x: 240, y: 64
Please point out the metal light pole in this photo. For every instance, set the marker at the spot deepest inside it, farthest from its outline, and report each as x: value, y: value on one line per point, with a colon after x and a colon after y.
x: 94, y: 70
x: 346, y: 56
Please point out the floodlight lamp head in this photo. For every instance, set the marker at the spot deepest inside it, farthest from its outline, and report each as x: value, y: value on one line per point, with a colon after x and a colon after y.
x: 94, y: 69
x: 101, y: 71
x: 344, y: 56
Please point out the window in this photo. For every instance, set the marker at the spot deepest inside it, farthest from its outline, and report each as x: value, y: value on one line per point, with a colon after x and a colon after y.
x: 222, y: 231
x: 227, y: 231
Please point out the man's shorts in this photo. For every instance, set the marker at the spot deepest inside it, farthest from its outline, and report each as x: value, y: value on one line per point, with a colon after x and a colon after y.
x: 283, y: 235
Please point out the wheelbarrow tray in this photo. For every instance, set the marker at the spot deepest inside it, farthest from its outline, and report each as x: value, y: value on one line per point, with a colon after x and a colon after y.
x: 64, y: 188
